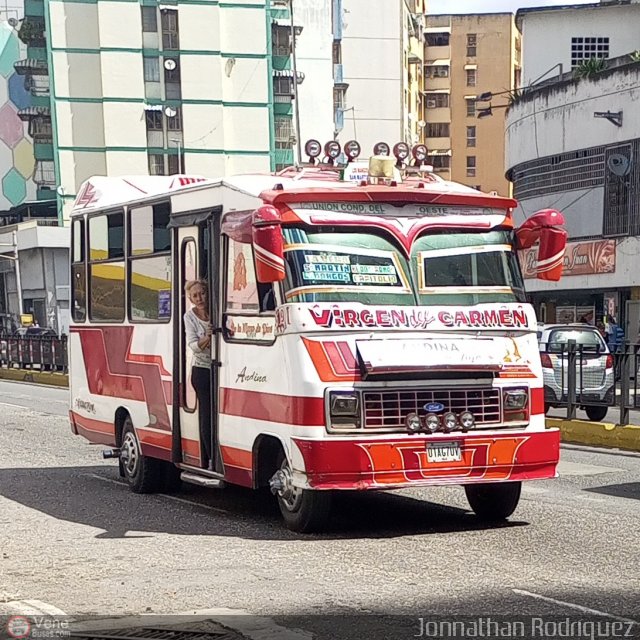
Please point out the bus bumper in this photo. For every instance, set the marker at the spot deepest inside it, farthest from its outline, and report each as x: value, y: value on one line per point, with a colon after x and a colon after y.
x: 407, y: 461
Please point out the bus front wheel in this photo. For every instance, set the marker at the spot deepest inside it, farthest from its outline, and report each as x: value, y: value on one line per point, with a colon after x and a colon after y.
x: 494, y: 501
x: 143, y: 474
x: 302, y: 510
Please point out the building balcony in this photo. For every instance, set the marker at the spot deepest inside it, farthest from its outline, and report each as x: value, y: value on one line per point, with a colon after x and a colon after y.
x: 32, y: 31
x: 338, y: 119
x: 45, y: 174
x: 434, y: 84
x: 281, y: 62
x: 43, y: 150
x: 337, y: 19
x: 437, y: 53
x: 284, y: 156
x: 34, y: 8
x: 338, y: 76
x: 438, y: 115
x: 438, y: 143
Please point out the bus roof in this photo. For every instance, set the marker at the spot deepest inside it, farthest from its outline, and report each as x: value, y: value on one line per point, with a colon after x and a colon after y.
x: 102, y: 192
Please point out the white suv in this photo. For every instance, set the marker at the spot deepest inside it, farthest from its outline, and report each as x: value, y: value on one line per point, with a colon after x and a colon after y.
x: 595, y: 377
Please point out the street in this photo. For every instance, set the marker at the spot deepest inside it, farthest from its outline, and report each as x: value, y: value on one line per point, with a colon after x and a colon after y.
x: 75, y: 538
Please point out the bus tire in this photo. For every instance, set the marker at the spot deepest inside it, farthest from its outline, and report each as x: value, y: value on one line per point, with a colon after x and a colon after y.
x: 494, y: 501
x: 303, y: 510
x: 143, y: 474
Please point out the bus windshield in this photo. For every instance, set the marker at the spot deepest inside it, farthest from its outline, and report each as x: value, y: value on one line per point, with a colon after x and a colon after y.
x: 467, y: 268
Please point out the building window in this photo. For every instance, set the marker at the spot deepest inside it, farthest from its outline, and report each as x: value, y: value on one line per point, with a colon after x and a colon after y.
x: 106, y: 268
x: 281, y: 41
x: 339, y: 98
x: 284, y: 130
x: 438, y: 39
x: 172, y: 79
x: 153, y: 120
x: 149, y: 20
x: 471, y: 136
x: 441, y: 163
x: 471, y: 107
x: 151, y: 69
x: 174, y: 123
x: 337, y: 53
x: 282, y: 86
x: 437, y: 130
x: 169, y: 21
x: 78, y: 273
x: 471, y: 166
x: 472, y: 77
x: 472, y: 44
x: 437, y: 71
x: 156, y: 164
x: 175, y: 163
x: 586, y: 48
x: 437, y: 100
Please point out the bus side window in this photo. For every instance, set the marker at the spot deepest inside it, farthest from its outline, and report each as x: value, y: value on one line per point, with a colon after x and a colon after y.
x: 78, y: 272
x: 242, y: 288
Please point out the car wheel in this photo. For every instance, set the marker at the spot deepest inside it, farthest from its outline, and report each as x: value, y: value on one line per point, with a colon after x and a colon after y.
x: 143, y: 474
x: 596, y: 413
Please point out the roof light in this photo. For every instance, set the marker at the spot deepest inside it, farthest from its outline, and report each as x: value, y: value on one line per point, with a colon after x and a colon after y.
x: 381, y: 149
x: 332, y: 150
x: 401, y: 151
x: 313, y: 149
x: 352, y: 150
x: 420, y: 153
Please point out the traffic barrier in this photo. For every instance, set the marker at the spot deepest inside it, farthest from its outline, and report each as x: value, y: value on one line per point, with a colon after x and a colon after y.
x: 597, y: 434
x: 37, y: 377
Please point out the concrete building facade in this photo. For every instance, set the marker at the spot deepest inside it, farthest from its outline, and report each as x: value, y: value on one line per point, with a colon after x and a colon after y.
x: 558, y: 39
x: 466, y: 56
x: 380, y: 54
x: 574, y: 145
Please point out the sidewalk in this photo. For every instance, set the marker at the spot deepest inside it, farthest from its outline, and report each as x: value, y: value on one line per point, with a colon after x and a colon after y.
x: 35, y: 376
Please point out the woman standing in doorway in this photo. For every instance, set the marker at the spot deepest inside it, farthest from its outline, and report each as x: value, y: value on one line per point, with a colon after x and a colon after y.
x: 198, y: 336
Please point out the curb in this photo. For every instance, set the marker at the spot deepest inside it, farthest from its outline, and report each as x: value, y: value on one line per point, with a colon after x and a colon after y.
x: 597, y: 434
x: 37, y: 377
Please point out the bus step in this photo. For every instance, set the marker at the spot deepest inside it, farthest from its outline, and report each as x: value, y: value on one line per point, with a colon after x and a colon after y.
x: 202, y: 481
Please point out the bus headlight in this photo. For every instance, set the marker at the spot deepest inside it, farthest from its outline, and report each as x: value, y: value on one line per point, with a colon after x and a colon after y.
x: 515, y: 399
x: 344, y: 409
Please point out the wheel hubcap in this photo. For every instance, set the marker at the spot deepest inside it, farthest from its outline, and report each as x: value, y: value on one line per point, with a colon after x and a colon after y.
x: 130, y: 454
x: 282, y: 486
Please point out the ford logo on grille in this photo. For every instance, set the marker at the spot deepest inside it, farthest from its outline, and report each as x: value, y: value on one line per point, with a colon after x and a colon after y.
x: 433, y: 407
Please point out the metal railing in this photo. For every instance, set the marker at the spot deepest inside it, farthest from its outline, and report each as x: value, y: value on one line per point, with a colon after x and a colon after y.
x: 595, y: 388
x: 46, y: 353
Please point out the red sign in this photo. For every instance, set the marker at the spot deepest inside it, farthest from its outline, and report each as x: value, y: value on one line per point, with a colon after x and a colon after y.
x: 580, y: 259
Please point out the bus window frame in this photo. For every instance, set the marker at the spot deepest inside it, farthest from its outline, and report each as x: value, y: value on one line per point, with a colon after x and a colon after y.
x: 83, y: 263
x: 89, y: 262
x: 130, y: 258
x: 226, y: 314
x: 183, y: 337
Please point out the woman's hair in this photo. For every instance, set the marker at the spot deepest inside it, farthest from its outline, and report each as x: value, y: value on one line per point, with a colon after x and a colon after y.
x: 192, y: 283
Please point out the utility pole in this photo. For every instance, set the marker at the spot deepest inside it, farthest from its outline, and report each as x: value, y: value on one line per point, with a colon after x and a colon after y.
x: 295, y: 85
x: 14, y: 237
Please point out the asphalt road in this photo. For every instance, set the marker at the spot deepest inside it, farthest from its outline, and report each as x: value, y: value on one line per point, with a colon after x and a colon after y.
x: 75, y: 540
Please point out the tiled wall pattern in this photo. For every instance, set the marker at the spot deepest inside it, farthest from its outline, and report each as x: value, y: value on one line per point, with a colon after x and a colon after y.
x: 16, y: 147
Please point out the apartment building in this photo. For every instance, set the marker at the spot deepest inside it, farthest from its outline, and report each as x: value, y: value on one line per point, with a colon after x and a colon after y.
x: 467, y: 56
x: 134, y: 87
x: 379, y: 52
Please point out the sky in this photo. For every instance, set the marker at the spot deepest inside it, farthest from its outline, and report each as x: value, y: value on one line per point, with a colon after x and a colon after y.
x: 488, y: 6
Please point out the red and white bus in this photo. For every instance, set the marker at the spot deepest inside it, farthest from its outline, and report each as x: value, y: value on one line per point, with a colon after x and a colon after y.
x: 368, y: 334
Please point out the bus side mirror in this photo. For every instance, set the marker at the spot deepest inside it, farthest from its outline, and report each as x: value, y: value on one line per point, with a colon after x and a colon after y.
x: 268, y: 244
x: 546, y: 228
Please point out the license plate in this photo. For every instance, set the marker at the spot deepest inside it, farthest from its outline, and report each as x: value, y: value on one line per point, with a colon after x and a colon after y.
x: 444, y: 452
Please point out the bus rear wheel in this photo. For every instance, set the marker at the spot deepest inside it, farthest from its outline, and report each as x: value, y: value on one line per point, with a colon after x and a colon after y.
x: 303, y: 510
x: 494, y: 501
x: 143, y: 474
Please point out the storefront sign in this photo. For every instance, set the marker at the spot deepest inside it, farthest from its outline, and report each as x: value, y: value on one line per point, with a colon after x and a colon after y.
x: 580, y: 259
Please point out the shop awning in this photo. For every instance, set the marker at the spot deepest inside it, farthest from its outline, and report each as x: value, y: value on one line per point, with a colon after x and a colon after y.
x: 446, y: 29
x: 440, y: 152
x: 31, y: 66
x: 287, y: 73
x: 34, y: 112
x: 427, y: 91
x: 442, y: 62
x: 470, y: 66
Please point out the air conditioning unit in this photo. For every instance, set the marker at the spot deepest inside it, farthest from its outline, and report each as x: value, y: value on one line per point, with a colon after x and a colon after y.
x: 431, y: 104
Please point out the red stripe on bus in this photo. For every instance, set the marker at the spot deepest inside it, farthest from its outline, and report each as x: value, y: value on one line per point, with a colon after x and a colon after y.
x: 271, y: 407
x: 537, y: 401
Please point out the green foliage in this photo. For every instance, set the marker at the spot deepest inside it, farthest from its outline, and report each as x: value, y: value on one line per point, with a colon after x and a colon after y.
x: 589, y: 67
